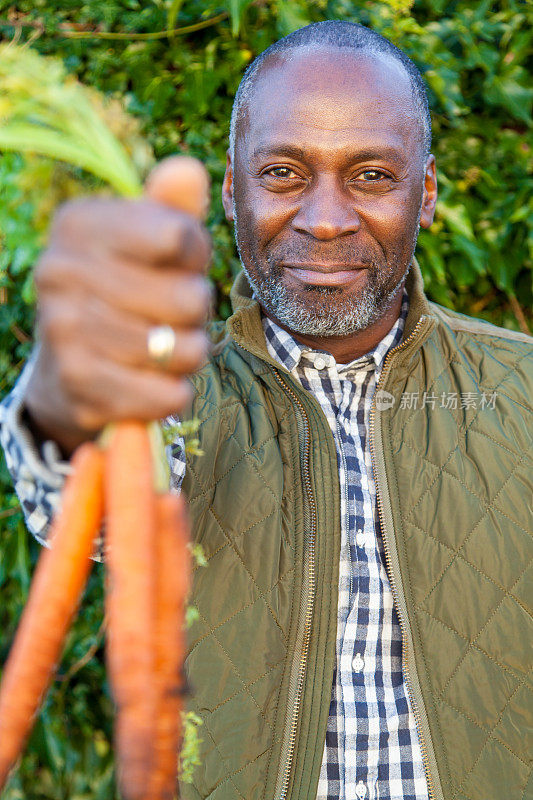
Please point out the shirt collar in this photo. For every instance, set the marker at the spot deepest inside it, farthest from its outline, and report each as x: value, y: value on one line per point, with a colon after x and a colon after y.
x: 288, y: 351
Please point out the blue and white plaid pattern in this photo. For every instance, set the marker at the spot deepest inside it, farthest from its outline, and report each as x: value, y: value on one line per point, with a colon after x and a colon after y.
x: 371, y: 749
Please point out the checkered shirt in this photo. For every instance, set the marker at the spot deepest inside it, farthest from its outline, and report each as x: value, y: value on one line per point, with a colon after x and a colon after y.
x: 371, y: 749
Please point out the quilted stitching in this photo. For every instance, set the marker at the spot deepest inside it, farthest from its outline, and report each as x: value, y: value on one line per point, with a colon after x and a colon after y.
x: 461, y: 557
x: 457, y: 552
x: 490, y: 729
x: 444, y: 371
x: 213, y: 628
x: 475, y: 647
x: 468, y: 564
x: 232, y: 541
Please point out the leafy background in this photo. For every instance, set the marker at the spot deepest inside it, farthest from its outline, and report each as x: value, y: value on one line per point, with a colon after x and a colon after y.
x: 176, y: 65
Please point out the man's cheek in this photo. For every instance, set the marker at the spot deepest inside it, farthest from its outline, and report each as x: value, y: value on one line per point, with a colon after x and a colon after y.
x: 270, y: 211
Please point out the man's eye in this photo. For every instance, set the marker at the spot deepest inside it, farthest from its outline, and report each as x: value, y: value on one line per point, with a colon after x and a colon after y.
x: 372, y: 175
x: 281, y: 172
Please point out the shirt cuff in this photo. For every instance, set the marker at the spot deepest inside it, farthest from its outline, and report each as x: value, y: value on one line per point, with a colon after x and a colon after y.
x: 38, y: 471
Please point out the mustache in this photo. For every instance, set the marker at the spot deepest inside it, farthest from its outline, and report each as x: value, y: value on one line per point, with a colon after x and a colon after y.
x: 340, y: 253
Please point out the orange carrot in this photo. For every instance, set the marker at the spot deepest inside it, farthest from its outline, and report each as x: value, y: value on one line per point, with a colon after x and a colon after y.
x: 59, y: 578
x: 172, y: 586
x: 130, y: 554
x: 182, y: 183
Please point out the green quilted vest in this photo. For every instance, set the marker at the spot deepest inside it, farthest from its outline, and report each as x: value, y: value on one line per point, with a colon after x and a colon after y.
x: 453, y: 494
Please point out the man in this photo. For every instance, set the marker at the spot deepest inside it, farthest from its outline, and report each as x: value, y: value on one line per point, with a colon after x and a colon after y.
x: 362, y: 614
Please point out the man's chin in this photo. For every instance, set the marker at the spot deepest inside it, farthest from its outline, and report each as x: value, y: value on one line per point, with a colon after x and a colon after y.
x: 320, y: 311
x: 330, y: 300
x: 327, y: 311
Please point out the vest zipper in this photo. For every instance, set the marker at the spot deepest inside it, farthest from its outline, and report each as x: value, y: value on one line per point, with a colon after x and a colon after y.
x: 307, y: 600
x: 383, y: 503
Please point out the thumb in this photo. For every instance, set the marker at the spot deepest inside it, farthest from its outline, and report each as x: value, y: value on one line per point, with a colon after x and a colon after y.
x: 180, y: 182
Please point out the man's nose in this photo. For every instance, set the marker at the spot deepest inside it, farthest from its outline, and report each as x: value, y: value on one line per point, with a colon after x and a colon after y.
x: 326, y: 210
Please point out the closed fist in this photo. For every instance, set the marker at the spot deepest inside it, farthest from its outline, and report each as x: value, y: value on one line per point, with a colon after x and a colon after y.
x: 113, y: 270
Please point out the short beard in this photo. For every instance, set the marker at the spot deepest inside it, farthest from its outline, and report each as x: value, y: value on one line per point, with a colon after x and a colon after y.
x: 321, y: 315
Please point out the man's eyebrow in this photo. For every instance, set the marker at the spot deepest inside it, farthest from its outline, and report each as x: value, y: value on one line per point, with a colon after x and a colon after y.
x: 383, y: 153
x: 279, y: 150
x: 372, y: 153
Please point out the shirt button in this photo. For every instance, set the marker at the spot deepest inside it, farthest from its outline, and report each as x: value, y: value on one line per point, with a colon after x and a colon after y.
x: 320, y: 362
x: 360, y: 538
x: 358, y: 662
x: 360, y: 790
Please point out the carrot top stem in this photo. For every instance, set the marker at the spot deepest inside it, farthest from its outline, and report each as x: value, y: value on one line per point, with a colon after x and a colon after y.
x: 161, y: 469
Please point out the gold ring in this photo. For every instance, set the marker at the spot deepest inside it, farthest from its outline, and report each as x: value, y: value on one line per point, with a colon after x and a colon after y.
x: 161, y: 344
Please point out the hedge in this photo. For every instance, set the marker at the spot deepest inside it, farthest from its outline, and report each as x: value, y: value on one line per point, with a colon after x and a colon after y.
x: 176, y: 64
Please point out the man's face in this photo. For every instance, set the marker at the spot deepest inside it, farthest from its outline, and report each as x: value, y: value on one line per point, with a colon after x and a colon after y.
x: 328, y: 189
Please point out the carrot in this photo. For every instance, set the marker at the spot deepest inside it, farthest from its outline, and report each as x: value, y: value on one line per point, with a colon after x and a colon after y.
x: 182, y: 183
x: 130, y: 608
x: 59, y: 579
x: 172, y: 586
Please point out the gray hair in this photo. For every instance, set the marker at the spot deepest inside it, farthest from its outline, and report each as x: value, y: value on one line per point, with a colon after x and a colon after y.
x: 342, y: 35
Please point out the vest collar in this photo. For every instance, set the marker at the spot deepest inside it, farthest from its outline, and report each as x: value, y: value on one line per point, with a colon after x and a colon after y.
x: 245, y: 326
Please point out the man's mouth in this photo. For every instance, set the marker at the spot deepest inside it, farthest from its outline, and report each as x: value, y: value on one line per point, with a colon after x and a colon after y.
x: 326, y: 274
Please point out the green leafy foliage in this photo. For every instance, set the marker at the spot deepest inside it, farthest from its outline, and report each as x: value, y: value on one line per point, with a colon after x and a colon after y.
x: 176, y: 65
x: 46, y: 111
x: 190, y: 749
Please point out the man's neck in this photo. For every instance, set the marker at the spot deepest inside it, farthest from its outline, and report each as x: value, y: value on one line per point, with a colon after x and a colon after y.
x: 347, y: 348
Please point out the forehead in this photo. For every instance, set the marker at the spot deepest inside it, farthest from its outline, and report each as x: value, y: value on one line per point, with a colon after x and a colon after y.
x: 330, y: 98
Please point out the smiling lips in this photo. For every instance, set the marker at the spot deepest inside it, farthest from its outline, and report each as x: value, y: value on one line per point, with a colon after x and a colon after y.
x: 326, y: 274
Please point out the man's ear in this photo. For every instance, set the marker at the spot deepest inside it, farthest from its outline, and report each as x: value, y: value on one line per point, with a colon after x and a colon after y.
x: 227, y: 188
x: 429, y: 198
